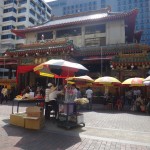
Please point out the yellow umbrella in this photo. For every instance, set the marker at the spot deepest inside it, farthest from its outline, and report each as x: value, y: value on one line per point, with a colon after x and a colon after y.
x: 81, y: 79
x: 134, y: 81
x: 107, y: 80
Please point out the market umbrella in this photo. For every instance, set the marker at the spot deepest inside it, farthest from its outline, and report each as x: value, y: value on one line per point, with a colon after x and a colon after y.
x: 134, y: 81
x: 61, y: 67
x: 107, y: 81
x: 85, y: 78
x: 147, y: 79
x: 147, y: 83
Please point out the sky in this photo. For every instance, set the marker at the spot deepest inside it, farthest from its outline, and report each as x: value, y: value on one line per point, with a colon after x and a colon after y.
x: 48, y: 0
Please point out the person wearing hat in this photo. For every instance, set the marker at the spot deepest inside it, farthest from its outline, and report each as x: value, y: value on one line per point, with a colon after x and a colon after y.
x: 53, y: 99
x: 50, y: 100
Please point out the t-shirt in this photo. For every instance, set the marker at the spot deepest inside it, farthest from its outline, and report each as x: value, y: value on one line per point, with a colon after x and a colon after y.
x: 47, y: 91
x: 53, y: 95
x: 89, y: 93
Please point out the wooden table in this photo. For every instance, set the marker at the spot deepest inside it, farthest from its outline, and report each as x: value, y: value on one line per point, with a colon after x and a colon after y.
x: 27, y: 101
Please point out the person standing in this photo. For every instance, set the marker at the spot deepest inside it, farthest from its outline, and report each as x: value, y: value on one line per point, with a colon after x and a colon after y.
x: 4, y: 93
x: 47, y: 92
x: 89, y: 95
x: 53, y: 99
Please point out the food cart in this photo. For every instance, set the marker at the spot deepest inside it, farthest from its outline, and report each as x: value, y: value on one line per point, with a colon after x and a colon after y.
x: 69, y: 117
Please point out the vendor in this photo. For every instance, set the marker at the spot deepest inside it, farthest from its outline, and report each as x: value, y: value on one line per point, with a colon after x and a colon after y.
x: 47, y: 92
x: 51, y: 100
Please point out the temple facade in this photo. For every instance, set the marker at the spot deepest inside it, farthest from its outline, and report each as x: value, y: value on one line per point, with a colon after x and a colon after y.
x: 103, y: 41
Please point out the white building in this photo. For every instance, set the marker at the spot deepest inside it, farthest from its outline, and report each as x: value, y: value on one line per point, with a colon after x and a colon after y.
x: 20, y: 14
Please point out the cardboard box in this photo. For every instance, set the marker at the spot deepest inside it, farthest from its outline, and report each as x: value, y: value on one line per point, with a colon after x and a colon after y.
x: 18, y: 119
x: 34, y: 111
x: 34, y: 122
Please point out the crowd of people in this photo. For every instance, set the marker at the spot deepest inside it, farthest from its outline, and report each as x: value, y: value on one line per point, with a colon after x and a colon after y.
x: 133, y: 98
x: 137, y: 101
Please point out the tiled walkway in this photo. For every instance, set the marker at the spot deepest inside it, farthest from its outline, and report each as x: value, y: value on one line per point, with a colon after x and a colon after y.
x: 103, y: 131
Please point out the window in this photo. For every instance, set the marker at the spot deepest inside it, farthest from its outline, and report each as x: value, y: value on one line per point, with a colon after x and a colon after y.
x: 32, y: 3
x: 49, y: 11
x: 9, y: 10
x: 68, y: 32
x: 8, y: 27
x: 32, y: 12
x: 31, y: 20
x: 8, y: 36
x: 21, y: 19
x: 22, y: 10
x: 22, y: 2
x: 21, y: 27
x: 10, y: 1
x: 92, y: 42
x: 95, y: 41
x: 11, y: 18
x: 95, y: 29
x: 47, y: 35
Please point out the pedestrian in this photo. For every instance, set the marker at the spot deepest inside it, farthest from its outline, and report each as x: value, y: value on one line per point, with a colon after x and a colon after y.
x: 4, y: 93
x: 79, y: 95
x: 89, y: 95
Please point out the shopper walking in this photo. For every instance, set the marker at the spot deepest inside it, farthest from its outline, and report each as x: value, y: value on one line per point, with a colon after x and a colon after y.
x: 89, y: 95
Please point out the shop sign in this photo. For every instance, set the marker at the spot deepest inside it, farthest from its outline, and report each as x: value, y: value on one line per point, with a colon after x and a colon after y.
x: 40, y: 60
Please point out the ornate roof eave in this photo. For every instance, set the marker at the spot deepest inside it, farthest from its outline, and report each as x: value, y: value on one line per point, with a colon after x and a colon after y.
x: 33, y: 49
x: 111, y: 50
x: 56, y: 26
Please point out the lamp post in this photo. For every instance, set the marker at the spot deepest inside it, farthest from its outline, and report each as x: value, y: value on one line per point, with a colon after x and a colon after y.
x: 101, y: 62
x: 4, y: 66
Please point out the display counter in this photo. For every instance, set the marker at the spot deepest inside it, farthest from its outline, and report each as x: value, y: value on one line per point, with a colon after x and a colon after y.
x: 26, y: 101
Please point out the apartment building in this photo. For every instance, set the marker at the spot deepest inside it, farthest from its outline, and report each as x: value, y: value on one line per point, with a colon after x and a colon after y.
x: 19, y: 14
x: 64, y: 7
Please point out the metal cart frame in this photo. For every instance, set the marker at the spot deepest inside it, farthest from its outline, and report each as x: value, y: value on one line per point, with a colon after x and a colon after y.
x: 64, y: 117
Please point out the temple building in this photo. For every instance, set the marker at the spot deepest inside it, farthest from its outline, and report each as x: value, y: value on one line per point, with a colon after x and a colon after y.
x: 103, y: 41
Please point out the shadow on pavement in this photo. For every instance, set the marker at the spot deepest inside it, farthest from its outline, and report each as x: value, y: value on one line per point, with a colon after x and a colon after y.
x: 40, y: 139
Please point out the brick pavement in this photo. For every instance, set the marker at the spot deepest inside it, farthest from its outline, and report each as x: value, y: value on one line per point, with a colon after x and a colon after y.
x: 104, y: 130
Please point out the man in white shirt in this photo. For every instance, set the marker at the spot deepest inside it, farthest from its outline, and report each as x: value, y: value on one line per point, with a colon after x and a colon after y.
x: 89, y: 95
x: 47, y: 91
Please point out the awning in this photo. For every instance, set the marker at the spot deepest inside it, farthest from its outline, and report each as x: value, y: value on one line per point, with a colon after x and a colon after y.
x: 24, y: 69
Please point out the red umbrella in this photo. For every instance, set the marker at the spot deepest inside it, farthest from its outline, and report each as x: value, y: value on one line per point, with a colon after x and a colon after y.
x: 61, y: 67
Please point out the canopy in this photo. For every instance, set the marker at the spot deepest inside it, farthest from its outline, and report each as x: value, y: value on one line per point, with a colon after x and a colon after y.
x: 61, y: 68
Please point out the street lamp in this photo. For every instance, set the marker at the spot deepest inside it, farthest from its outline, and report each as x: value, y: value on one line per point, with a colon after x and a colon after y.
x: 4, y: 65
x: 101, y: 62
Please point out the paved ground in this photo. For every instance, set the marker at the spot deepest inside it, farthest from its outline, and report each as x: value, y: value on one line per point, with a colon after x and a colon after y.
x: 104, y: 130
